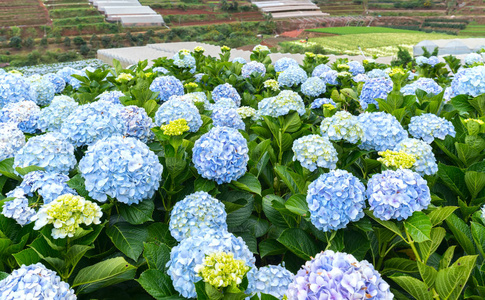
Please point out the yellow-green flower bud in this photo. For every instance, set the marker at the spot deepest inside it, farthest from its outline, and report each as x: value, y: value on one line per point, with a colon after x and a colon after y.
x: 124, y: 77
x: 176, y: 127
x: 221, y: 269
x: 397, y: 159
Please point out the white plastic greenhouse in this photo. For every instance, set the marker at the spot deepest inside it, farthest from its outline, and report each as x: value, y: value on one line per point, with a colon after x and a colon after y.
x: 453, y: 47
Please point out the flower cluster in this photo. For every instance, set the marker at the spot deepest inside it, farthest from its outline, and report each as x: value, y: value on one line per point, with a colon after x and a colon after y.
x: 335, y: 199
x: 167, y: 86
x: 272, y: 84
x: 314, y: 151
x: 112, y: 97
x: 342, y: 126
x: 469, y: 81
x: 377, y: 73
x: 183, y: 59
x: 199, y: 49
x: 195, y: 98
x: 293, y: 75
x: 226, y: 91
x: 360, y: 78
x: 175, y: 127
x: 425, y: 161
x: 252, y: 67
x: 313, y: 87
x: 429, y: 126
x: 121, y: 168
x: 374, y: 88
x: 13, y: 88
x: 273, y: 280
x: 319, y: 102
x: 382, y: 131
x: 221, y: 269
x: 320, y: 70
x: 239, y: 60
x: 261, y: 48
x: 11, y: 140
x: 160, y: 70
x: 137, y: 123
x: 52, y: 116
x: 282, y: 104
x: 356, y: 68
x: 124, y: 77
x: 284, y: 63
x: 330, y: 77
x: 426, y: 84
x: 47, y: 184
x: 223, y: 103
x: 18, y: 208
x: 221, y: 155
x: 24, y: 113
x: 338, y: 275
x: 397, y: 159
x: 37, y: 282
x: 473, y: 58
x: 246, y: 112
x: 228, y: 118
x: 42, y: 91
x: 433, y: 61
x: 174, y: 109
x: 421, y: 60
x: 58, y: 82
x: 397, y: 194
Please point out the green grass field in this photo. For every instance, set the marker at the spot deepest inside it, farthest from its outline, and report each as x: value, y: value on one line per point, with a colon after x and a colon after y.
x: 360, y: 30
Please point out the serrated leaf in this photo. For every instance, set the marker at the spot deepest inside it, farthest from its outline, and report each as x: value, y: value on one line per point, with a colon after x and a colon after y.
x: 158, y: 285
x: 414, y: 287
x: 137, y: 214
x: 427, y: 273
x: 249, y: 183
x: 26, y: 257
x: 297, y: 204
x: 388, y: 224
x: 6, y: 169
x: 454, y: 178
x: 447, y: 257
x: 451, y: 281
x: 419, y: 227
x: 271, y: 247
x: 77, y: 183
x: 440, y: 214
x: 475, y: 182
x: 429, y: 247
x: 274, y: 216
x: 204, y: 185
x: 292, y: 180
x: 128, y: 238
x: 298, y: 242
x: 157, y: 255
x: 398, y: 264
x: 462, y: 233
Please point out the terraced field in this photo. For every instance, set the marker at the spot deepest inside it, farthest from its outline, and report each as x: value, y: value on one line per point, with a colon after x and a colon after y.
x: 23, y: 12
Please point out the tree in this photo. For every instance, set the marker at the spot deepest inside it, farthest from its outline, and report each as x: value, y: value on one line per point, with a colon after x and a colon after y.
x: 84, y: 50
x: 67, y: 42
x: 15, y: 42
x: 106, y: 41
x: 79, y: 41
x: 29, y: 42
x: 44, y: 42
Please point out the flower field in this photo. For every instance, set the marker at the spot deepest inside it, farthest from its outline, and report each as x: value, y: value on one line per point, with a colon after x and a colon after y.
x: 206, y: 178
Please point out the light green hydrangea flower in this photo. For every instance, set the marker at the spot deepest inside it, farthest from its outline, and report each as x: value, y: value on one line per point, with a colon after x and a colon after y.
x: 124, y: 77
x: 342, y: 126
x: 272, y: 85
x: 247, y: 112
x: 221, y: 269
x: 397, y: 159
x: 176, y: 127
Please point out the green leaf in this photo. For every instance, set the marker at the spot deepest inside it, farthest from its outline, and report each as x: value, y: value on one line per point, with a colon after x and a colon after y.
x: 462, y: 233
x: 3, y: 275
x: 157, y: 255
x: 447, y: 257
x: 158, y: 284
x: 293, y: 181
x: 461, y: 103
x: 204, y: 185
x: 128, y: 238
x: 271, y: 247
x: 297, y: 204
x: 257, y: 226
x: 478, y: 232
x: 292, y: 122
x: 397, y: 264
x: 77, y: 183
x: 137, y: 214
x: 26, y: 257
x: 440, y: 214
x: 475, y: 181
x: 356, y: 243
x: 159, y: 232
x: 414, y: 287
x: 429, y: 247
x: 427, y: 273
x: 451, y: 281
x: 26, y: 170
x: 298, y: 242
x: 388, y: 224
x: 274, y: 216
x: 467, y: 154
x: 6, y: 169
x: 75, y: 253
x: 103, y: 274
x: 419, y: 227
x: 249, y: 183
x: 453, y: 177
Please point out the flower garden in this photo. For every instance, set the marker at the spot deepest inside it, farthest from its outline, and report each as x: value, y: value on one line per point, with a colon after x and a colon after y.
x: 206, y: 178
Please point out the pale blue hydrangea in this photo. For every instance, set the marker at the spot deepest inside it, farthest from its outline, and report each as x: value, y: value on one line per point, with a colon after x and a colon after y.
x: 221, y: 155
x: 160, y: 70
x: 198, y: 77
x: 112, y: 97
x: 240, y: 60
x: 469, y: 81
x: 447, y: 94
x: 13, y: 88
x: 433, y: 61
x: 196, y: 214
x: 313, y: 87
x: 191, y: 252
x: 429, y: 126
x: 184, y: 60
x: 272, y: 279
x: 425, y: 160
x: 122, y: 168
x: 284, y: 63
x: 317, y: 103
x: 228, y: 118
x: 2, y: 71
x: 252, y: 67
x: 74, y: 82
x: 58, y: 82
x: 50, y: 151
x: 281, y: 104
x: 137, y: 123
x: 35, y: 282
x: 167, y: 86
x: 473, y: 58
x: 66, y: 72
x: 412, y: 75
x: 382, y: 131
x: 360, y: 78
x: 52, y: 116
x: 335, y: 199
x: 293, y: 75
x: 314, y: 151
x: 426, y: 84
x: 330, y: 77
x: 24, y: 113
x: 342, y: 126
x: 196, y: 98
x: 377, y: 73
x: 397, y: 194
x: 320, y: 70
x: 11, y: 140
x: 91, y: 122
x: 226, y: 91
x: 42, y: 91
x: 338, y: 275
x: 374, y: 88
x: 18, y: 209
x: 421, y: 60
x: 356, y: 67
x: 223, y: 103
x: 174, y: 109
x: 48, y: 185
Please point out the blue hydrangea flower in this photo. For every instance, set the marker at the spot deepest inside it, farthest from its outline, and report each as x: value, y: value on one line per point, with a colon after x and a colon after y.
x: 273, y: 280
x: 195, y: 215
x: 284, y: 63
x: 13, y: 88
x: 320, y: 70
x: 24, y: 113
x: 228, y: 118
x: 167, y: 86
x: 313, y: 87
x: 52, y: 116
x: 330, y: 77
x: 50, y: 151
x: 58, y: 82
x: 174, y: 110
x: 122, y: 168
x: 397, y: 194
x: 160, y: 70
x: 314, y: 151
x: 48, y: 185
x: 198, y: 77
x: 240, y: 60
x: 317, y: 103
x: 425, y: 160
x: 433, y: 61
x: 338, y: 275
x: 91, y: 122
x: 191, y: 252
x: 65, y: 73
x: 360, y: 78
x: 412, y: 75
x: 335, y: 199
x: 18, y: 209
x: 382, y: 131
x: 226, y: 91
x: 281, y: 104
x: 374, y: 88
x: 221, y: 155
x: 112, y: 97
x: 421, y: 60
x: 36, y: 282
x: 426, y: 84
x: 2, y: 71
x: 252, y: 67
x: 377, y: 73
x: 137, y: 123
x: 293, y: 75
x: 356, y: 67
x: 197, y: 98
x: 469, y: 81
x: 429, y: 126
x: 11, y: 140
x: 342, y: 126
x: 42, y: 91
x: 223, y: 103
x: 473, y: 58
x: 184, y: 60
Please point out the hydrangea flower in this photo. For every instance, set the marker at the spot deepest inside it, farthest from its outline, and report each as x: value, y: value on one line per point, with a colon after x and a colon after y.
x: 167, y: 86
x: 425, y: 161
x: 228, y: 118
x: 335, y: 199
x: 91, y: 122
x: 112, y: 97
x: 272, y: 84
x: 11, y: 140
x: 13, y: 88
x: 198, y: 77
x: 160, y: 70
x: 24, y: 113
x: 282, y: 104
x: 195, y: 98
x: 65, y: 73
x: 52, y: 116
x: 137, y: 123
x: 48, y: 185
x: 429, y: 126
x: 175, y: 127
x: 469, y: 81
x: 221, y: 269
x: 330, y: 77
x: 183, y: 59
x: 246, y: 112
x: 121, y: 168
x: 433, y: 61
x: 397, y: 159
x: 191, y: 252
x: 226, y: 91
x: 382, y: 131
x: 360, y: 78
x: 293, y: 75
x: 284, y: 63
x: 221, y: 155
x: 240, y: 60
x: 320, y: 70
x: 58, y: 82
x: 37, y: 282
x: 66, y: 214
x: 252, y: 67
x: 377, y: 73
x: 261, y: 48
x: 397, y: 194
x: 272, y: 279
x: 426, y: 84
x: 223, y: 103
x: 473, y: 58
x: 175, y: 109
x: 195, y: 214
x: 319, y: 102
x: 421, y: 60
x: 313, y: 87
x: 374, y: 88
x: 314, y: 151
x: 356, y: 68
x: 42, y: 91
x: 50, y: 151
x: 342, y: 126
x: 338, y: 275
x: 18, y: 209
